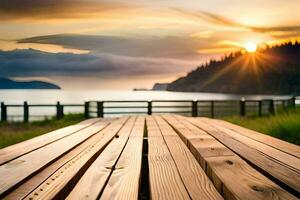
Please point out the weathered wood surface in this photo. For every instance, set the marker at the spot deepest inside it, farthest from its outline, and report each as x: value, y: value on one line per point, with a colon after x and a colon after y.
x: 124, y: 181
x: 63, y: 178
x: 153, y: 157
x: 233, y: 177
x: 281, y: 166
x: 281, y: 145
x: 194, y: 178
x: 164, y: 179
x: 14, y: 151
x: 28, y: 164
x: 99, y: 172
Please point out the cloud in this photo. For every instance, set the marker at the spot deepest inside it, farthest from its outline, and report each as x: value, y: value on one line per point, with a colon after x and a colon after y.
x: 207, y: 16
x: 221, y: 20
x: 54, y: 9
x: 276, y: 28
x: 33, y: 63
x: 179, y: 47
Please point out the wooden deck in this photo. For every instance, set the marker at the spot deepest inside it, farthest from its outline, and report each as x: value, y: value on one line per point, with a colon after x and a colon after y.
x: 153, y: 157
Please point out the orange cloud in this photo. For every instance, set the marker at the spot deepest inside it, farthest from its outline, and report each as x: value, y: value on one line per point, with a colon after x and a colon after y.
x: 54, y: 9
x: 223, y: 21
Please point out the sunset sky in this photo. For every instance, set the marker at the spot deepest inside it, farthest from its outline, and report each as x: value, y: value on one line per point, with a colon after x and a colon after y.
x: 122, y: 44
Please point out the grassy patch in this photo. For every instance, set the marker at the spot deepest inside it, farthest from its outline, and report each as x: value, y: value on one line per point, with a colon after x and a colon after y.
x: 284, y: 125
x: 13, y: 132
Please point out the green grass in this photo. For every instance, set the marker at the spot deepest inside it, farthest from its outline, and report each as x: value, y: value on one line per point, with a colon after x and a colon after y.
x: 13, y: 132
x: 284, y: 125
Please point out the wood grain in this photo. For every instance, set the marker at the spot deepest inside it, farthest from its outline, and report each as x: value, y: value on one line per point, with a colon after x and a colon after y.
x: 94, y: 179
x: 199, y: 142
x: 194, y: 178
x: 24, y: 189
x: 278, y: 144
x: 188, y: 158
x: 283, y: 157
x: 57, y: 186
x: 25, y: 166
x: 14, y: 151
x: 283, y: 173
x: 164, y: 179
x: 125, y: 179
x: 242, y: 182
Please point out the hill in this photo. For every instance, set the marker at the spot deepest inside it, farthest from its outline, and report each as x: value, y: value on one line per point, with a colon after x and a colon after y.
x: 271, y: 70
x: 6, y: 83
x: 160, y: 86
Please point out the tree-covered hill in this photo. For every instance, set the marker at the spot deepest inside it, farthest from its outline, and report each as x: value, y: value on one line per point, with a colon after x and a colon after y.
x: 6, y: 83
x: 270, y: 70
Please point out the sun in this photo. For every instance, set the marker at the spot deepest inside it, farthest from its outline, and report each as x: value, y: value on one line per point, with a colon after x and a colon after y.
x: 251, y: 47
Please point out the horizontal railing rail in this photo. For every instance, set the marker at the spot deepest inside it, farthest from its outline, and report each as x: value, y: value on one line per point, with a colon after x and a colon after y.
x: 59, y: 113
x: 208, y: 108
x: 195, y: 108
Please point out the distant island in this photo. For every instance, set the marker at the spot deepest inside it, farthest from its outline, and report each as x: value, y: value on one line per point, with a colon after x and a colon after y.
x: 6, y: 83
x: 160, y: 86
x: 156, y: 87
x: 270, y: 70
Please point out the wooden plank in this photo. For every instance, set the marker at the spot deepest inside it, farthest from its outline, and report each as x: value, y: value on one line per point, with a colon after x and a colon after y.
x: 94, y: 179
x: 59, y: 184
x: 198, y: 141
x: 169, y: 159
x: 233, y: 177
x: 194, y: 178
x: 25, y: 166
x: 27, y: 187
x: 14, y: 151
x: 125, y: 179
x: 164, y: 179
x: 188, y: 135
x: 283, y: 157
x: 281, y: 145
x: 240, y: 181
x: 287, y: 176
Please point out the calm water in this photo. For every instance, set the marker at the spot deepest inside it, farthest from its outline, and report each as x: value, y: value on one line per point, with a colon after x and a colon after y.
x: 74, y: 97
x: 52, y: 96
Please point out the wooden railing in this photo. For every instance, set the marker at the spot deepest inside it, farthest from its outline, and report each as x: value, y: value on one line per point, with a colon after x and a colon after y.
x: 26, y: 110
x: 205, y: 108
x: 213, y: 108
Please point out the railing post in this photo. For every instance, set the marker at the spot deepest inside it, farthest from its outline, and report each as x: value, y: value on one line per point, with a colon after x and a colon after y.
x: 3, y: 112
x: 242, y: 107
x: 149, y: 108
x: 260, y: 108
x: 99, y: 108
x: 195, y: 108
x: 26, y: 112
x: 59, y: 110
x: 212, y: 109
x: 86, y: 110
x: 271, y: 107
x: 293, y: 102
